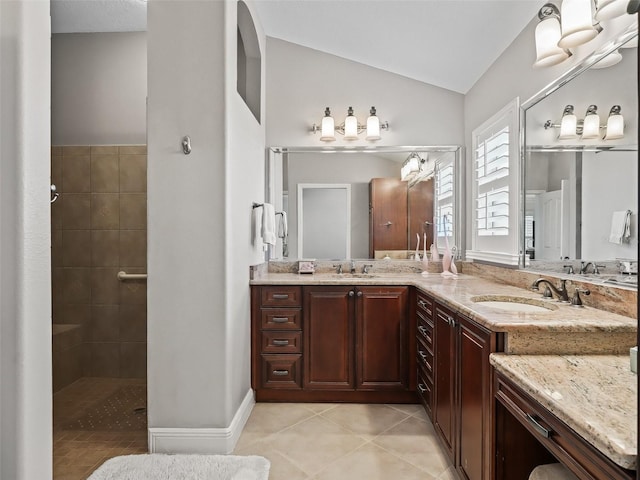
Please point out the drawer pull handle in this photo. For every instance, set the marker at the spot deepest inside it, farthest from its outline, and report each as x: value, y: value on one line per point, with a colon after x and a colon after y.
x: 422, y: 303
x: 280, y: 296
x: 281, y: 373
x: 280, y: 343
x: 423, y: 355
x: 280, y: 319
x: 422, y: 388
x: 423, y: 330
x: 539, y: 428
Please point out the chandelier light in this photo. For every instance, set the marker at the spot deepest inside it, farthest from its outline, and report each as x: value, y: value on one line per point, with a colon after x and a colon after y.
x: 350, y: 128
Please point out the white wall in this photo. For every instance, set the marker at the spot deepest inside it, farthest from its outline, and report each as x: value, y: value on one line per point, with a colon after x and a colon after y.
x: 25, y: 242
x: 99, y: 88
x: 199, y: 245
x: 301, y: 82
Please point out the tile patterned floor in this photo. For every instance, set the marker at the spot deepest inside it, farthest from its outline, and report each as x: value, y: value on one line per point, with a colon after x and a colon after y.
x: 94, y: 420
x: 345, y: 441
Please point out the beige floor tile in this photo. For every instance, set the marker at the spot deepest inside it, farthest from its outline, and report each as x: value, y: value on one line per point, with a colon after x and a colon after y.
x: 281, y: 467
x: 415, y: 442
x: 366, y: 420
x: 371, y: 462
x: 269, y: 418
x: 449, y: 474
x: 320, y: 407
x: 408, y: 408
x: 314, y: 443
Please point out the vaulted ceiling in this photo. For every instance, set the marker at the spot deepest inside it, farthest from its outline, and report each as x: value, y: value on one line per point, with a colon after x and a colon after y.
x: 447, y: 43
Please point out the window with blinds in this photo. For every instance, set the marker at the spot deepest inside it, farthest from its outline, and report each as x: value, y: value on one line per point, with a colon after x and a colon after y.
x: 492, y: 175
x: 444, y: 200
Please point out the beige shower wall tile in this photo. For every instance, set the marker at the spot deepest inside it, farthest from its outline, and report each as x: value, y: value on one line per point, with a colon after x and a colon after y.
x: 104, y: 150
x: 56, y: 151
x: 56, y: 172
x: 104, y: 323
x: 105, y: 248
x: 105, y: 174
x: 133, y: 360
x: 105, y: 211
x: 133, y: 211
x: 133, y: 248
x: 76, y: 174
x: 105, y: 359
x: 133, y: 323
x: 133, y: 173
x: 76, y: 211
x: 105, y: 286
x: 76, y: 150
x: 133, y: 292
x: 76, y: 248
x: 76, y: 284
x: 133, y: 149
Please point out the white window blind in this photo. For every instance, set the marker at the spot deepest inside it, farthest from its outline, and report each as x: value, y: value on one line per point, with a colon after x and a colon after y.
x: 444, y: 204
x: 492, y: 173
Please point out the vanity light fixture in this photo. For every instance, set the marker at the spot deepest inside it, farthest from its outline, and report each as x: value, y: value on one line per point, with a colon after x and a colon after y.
x: 589, y: 128
x: 547, y: 35
x: 350, y: 128
x: 411, y: 166
x: 610, y: 60
x: 608, y: 9
x: 577, y: 23
x: 615, y: 124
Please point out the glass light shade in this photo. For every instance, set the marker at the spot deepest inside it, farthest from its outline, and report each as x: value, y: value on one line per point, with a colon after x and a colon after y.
x: 373, y: 128
x: 633, y: 43
x: 615, y: 127
x: 568, y: 127
x: 547, y: 37
x: 328, y: 130
x: 609, y: 60
x: 350, y: 126
x: 577, y: 23
x: 410, y: 167
x: 591, y: 127
x: 608, y: 9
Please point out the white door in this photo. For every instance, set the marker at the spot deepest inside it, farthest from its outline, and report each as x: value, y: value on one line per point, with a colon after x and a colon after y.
x: 553, y: 238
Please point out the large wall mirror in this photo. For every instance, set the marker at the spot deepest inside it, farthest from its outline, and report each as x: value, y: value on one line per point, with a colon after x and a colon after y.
x: 580, y: 182
x: 386, y: 214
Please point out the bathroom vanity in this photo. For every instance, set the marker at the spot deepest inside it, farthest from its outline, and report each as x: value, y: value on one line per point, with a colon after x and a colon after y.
x: 403, y: 337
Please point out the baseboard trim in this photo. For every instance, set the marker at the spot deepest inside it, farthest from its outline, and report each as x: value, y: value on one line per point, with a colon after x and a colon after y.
x: 202, y: 440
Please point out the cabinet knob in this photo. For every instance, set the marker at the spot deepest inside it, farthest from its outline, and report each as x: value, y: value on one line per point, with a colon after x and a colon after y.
x: 359, y: 293
x: 422, y: 303
x: 423, y: 355
x: 451, y: 321
x: 422, y: 330
x: 351, y: 293
x: 421, y: 388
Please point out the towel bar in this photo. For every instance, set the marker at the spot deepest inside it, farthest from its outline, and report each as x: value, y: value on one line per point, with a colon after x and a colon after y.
x: 122, y: 276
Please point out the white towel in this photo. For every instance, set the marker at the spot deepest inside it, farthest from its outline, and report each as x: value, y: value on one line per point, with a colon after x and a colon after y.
x: 620, y: 227
x: 268, y: 224
x: 283, y: 228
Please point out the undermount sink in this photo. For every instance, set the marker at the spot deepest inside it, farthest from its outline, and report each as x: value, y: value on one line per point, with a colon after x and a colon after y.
x: 509, y: 303
x: 354, y: 275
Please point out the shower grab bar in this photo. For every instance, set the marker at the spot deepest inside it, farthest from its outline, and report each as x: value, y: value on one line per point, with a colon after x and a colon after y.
x: 123, y: 276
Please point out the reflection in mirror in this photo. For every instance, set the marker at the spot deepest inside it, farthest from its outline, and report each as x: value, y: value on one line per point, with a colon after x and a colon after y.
x: 579, y: 188
x: 387, y: 214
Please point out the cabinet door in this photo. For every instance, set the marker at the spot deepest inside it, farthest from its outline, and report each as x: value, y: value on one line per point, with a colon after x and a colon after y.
x: 328, y: 341
x: 388, y: 216
x: 475, y: 400
x: 382, y: 338
x: 444, y: 376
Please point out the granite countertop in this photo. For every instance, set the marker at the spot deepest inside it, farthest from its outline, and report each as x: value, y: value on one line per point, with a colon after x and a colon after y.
x: 457, y: 293
x: 595, y: 395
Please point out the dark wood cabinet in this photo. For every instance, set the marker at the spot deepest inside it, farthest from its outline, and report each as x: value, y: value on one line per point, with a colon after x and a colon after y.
x: 333, y: 343
x: 462, y: 406
x: 423, y: 320
x: 421, y: 210
x: 382, y: 338
x: 388, y: 227
x: 444, y: 403
x: 329, y: 338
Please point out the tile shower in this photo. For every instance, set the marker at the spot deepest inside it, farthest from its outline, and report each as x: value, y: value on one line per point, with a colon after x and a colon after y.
x: 98, y: 228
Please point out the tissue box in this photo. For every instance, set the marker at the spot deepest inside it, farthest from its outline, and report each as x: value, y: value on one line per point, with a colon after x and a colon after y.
x: 634, y: 359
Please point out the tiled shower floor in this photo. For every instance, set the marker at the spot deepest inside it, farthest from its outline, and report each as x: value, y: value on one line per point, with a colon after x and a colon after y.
x: 95, y: 419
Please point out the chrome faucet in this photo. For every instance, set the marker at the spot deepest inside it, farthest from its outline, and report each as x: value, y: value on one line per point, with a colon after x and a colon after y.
x: 561, y: 291
x: 353, y: 266
x: 584, y: 266
x: 338, y: 268
x: 365, y: 268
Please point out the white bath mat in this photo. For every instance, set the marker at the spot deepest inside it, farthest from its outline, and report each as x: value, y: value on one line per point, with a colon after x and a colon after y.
x: 183, y: 467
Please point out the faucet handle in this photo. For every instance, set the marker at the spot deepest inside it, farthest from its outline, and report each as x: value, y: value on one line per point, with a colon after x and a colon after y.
x: 338, y: 267
x: 569, y: 268
x: 576, y: 301
x: 596, y: 268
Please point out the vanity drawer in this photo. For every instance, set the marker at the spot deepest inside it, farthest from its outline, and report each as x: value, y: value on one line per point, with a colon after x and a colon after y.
x: 425, y: 357
x: 281, y: 296
x: 281, y: 318
x: 425, y: 390
x: 425, y: 331
x: 282, y: 371
x: 281, y: 342
x: 583, y: 459
x: 424, y: 305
